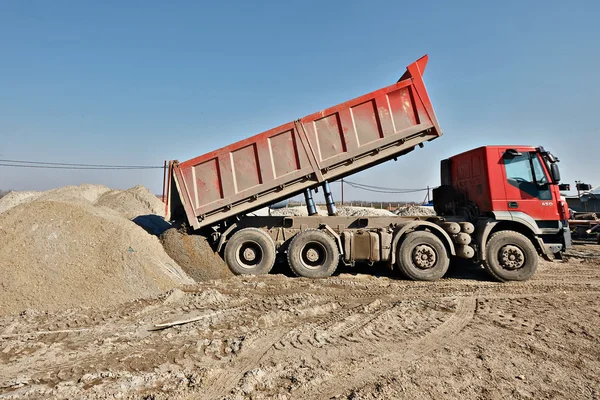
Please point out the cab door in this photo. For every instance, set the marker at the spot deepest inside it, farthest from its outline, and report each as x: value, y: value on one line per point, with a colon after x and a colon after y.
x: 527, y: 185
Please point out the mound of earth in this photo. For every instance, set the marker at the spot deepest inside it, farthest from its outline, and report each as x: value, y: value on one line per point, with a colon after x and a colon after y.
x: 14, y: 198
x: 132, y: 202
x: 63, y: 254
x: 348, y: 211
x: 415, y: 211
x: 344, y: 211
x: 299, y: 211
x: 194, y: 255
x: 74, y: 194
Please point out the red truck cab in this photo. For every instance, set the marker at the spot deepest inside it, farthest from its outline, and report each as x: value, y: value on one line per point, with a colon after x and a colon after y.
x: 508, y: 188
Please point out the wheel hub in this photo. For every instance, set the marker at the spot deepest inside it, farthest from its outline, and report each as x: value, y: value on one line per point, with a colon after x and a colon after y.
x: 424, y: 256
x: 511, y: 257
x: 249, y: 254
x: 312, y: 255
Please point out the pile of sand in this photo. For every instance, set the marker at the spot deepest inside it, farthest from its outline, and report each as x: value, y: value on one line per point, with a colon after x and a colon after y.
x: 344, y: 211
x: 85, y: 194
x: 299, y: 211
x: 130, y: 203
x: 13, y: 199
x: 347, y: 211
x: 77, y: 246
x: 195, y: 256
x: 415, y: 211
x: 68, y: 254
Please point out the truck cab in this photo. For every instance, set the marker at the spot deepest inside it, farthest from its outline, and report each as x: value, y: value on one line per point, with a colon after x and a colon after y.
x: 513, y: 188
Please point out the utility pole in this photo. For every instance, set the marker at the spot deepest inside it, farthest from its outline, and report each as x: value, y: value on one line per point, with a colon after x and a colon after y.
x: 164, y: 180
x: 342, y: 191
x: 427, y: 200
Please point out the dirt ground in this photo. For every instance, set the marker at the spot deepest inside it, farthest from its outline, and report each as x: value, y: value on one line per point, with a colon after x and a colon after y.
x: 352, y: 336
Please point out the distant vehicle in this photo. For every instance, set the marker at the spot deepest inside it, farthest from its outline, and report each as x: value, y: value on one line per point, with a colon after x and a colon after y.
x: 500, y: 205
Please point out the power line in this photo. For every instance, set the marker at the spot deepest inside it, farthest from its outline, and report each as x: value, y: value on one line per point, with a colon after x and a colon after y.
x: 57, y: 165
x: 390, y: 191
x: 381, y: 189
x: 67, y: 167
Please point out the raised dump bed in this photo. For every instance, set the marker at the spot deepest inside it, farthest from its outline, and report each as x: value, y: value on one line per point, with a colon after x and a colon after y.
x: 303, y: 154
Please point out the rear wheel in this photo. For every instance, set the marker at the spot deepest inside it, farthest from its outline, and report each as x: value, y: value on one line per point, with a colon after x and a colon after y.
x: 313, y: 254
x: 510, y: 256
x: 422, y: 257
x: 250, y: 251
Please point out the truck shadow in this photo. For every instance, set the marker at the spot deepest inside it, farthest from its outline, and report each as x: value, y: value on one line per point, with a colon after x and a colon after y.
x: 153, y: 224
x: 464, y: 269
x: 459, y: 269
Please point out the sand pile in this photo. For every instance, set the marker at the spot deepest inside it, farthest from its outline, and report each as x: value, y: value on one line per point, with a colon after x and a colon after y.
x: 13, y: 199
x: 83, y: 194
x: 299, y: 211
x: 132, y: 202
x: 194, y: 255
x: 346, y: 211
x: 76, y: 246
x: 415, y: 211
x: 73, y: 194
x: 68, y: 254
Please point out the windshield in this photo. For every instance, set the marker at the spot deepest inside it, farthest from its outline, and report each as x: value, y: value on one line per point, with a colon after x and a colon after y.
x: 538, y: 170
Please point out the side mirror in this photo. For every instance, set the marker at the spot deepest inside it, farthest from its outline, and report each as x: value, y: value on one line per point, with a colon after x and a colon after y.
x: 564, y: 187
x: 555, y: 172
x: 509, y: 154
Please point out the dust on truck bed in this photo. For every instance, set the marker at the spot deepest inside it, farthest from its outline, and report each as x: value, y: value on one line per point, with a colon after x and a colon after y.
x: 302, y: 154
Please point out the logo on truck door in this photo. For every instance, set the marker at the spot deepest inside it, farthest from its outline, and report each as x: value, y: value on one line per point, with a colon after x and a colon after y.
x: 547, y: 203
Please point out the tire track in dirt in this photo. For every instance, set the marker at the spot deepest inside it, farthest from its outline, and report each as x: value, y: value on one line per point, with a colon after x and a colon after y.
x: 126, y: 351
x: 84, y: 356
x: 329, y: 329
x: 231, y: 374
x: 397, y: 359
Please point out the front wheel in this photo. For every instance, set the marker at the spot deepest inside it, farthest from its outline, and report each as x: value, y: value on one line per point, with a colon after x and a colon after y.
x: 422, y: 257
x: 510, y: 256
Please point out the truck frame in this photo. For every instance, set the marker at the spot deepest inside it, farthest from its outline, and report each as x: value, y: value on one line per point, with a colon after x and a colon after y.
x: 499, y: 205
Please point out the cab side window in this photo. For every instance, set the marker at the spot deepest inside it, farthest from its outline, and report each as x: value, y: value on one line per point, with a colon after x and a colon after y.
x: 526, y: 173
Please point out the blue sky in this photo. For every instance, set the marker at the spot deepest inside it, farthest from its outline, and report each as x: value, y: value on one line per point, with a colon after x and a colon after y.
x: 139, y: 82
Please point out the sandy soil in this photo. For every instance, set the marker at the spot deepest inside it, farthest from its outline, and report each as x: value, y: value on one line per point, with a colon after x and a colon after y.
x: 352, y: 336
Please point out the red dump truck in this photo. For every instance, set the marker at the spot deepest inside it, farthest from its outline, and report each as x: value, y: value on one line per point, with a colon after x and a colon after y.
x: 499, y: 205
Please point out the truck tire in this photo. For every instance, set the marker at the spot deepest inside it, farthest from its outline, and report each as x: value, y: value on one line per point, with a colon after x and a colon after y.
x: 510, y: 256
x: 313, y: 254
x: 422, y: 257
x: 250, y: 251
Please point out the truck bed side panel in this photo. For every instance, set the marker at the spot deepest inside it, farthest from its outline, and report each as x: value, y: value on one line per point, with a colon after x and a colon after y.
x: 327, y: 145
